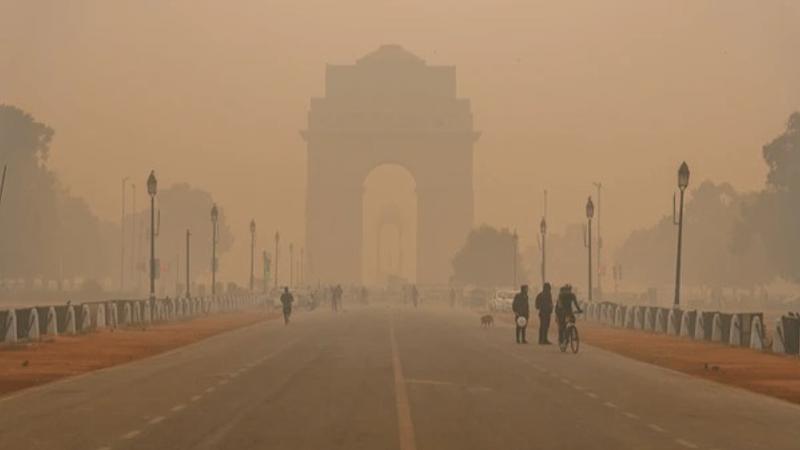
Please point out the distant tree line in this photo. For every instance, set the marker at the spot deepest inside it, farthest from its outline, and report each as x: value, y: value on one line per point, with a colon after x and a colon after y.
x: 732, y: 239
x: 49, y: 234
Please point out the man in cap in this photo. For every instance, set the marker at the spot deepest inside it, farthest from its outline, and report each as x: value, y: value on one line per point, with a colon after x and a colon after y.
x: 521, y: 309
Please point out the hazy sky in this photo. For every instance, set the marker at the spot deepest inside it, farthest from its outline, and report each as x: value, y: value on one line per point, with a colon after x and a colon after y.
x: 565, y: 93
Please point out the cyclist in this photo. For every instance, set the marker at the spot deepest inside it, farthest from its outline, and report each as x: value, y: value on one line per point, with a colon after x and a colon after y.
x: 286, y: 300
x: 564, y: 312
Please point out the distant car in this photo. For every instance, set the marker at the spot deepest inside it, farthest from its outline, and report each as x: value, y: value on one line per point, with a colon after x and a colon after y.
x: 502, y: 300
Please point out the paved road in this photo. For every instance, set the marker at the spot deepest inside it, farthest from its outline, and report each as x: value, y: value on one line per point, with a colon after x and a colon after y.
x: 390, y: 378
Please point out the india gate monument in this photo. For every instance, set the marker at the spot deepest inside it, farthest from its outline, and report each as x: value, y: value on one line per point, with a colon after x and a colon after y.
x: 390, y: 107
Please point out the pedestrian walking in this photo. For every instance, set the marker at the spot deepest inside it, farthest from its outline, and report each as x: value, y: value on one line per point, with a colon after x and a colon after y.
x: 544, y: 304
x: 414, y: 295
x: 286, y: 300
x: 521, y: 309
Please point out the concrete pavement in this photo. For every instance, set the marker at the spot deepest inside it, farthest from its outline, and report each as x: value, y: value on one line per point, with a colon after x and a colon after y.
x: 390, y: 378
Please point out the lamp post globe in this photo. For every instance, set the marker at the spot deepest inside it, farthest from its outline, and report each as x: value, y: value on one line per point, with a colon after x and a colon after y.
x: 152, y: 184
x: 214, y: 213
x: 683, y: 176
x: 543, y: 226
x: 589, y: 208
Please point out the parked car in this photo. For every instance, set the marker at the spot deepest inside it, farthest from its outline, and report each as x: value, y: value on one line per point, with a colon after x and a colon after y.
x: 502, y: 300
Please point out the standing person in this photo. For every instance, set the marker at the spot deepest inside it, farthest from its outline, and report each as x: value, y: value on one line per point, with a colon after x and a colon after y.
x: 286, y: 300
x: 337, y: 295
x: 521, y: 308
x: 414, y: 295
x: 544, y: 304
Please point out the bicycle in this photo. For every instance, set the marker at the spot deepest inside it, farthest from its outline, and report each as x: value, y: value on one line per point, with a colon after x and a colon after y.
x: 569, y: 336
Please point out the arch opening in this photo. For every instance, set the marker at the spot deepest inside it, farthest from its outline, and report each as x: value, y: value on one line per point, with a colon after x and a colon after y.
x: 389, y: 224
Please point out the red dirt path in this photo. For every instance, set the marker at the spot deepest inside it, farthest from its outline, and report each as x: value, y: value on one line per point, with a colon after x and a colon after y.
x: 31, y: 364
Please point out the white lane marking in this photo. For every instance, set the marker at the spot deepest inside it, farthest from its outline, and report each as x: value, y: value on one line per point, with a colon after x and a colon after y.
x: 631, y: 415
x: 405, y: 426
x: 211, y: 389
x: 196, y: 397
x: 686, y: 444
x: 655, y: 427
x: 177, y: 408
x: 131, y: 434
x: 156, y: 420
x: 577, y: 387
x: 609, y: 405
x: 592, y: 395
x: 566, y: 381
x: 223, y: 382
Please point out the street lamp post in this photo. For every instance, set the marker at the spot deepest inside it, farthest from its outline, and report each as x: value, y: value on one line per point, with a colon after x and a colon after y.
x: 188, y: 285
x: 152, y: 190
x: 291, y: 264
x: 599, y: 268
x: 515, y: 240
x: 122, y: 233
x: 302, y: 265
x: 214, y: 221
x: 683, y: 183
x: 266, y: 270
x: 543, y: 246
x: 588, y: 242
x: 277, y: 246
x: 252, y: 250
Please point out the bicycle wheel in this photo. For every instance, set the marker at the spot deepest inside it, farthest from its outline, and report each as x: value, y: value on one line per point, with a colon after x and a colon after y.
x: 562, y: 340
x: 574, y: 340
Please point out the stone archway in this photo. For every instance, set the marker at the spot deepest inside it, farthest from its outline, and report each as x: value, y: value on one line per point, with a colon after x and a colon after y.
x: 389, y: 108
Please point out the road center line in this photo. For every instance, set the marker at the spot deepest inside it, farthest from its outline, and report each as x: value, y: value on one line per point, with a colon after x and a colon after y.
x: 686, y: 444
x: 405, y: 427
x: 156, y: 420
x: 131, y: 435
x: 657, y: 428
x: 177, y: 408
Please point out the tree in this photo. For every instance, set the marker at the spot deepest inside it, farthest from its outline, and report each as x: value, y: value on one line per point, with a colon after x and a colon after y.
x: 713, y: 253
x: 183, y: 207
x: 774, y: 216
x: 487, y: 259
x: 46, y: 232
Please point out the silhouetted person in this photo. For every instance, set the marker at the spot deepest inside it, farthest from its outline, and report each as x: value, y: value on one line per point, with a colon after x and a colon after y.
x: 544, y: 304
x: 286, y: 300
x: 521, y: 308
x: 337, y: 297
x: 414, y: 295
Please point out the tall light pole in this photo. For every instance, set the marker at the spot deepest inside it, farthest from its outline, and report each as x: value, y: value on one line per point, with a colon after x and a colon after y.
x: 266, y: 270
x: 515, y: 238
x: 291, y: 264
x: 302, y: 267
x: 588, y: 243
x: 252, y: 250
x: 683, y: 183
x: 543, y: 231
x: 188, y: 283
x: 599, y: 269
x: 152, y: 190
x: 277, y: 244
x: 122, y: 240
x: 214, y: 221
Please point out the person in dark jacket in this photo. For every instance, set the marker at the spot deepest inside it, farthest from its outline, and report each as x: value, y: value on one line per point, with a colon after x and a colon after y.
x: 521, y: 308
x: 544, y: 304
x: 286, y: 300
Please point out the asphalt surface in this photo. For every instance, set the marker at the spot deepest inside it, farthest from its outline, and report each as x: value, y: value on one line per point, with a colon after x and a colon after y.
x: 390, y: 378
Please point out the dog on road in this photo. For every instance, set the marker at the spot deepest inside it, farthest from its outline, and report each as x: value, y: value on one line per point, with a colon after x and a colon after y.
x: 487, y: 320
